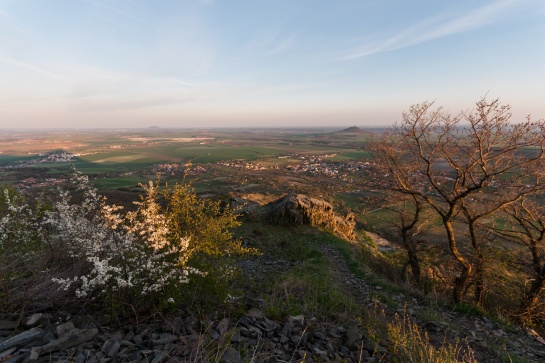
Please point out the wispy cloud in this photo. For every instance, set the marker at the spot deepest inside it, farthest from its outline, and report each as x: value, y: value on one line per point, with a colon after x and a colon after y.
x: 120, y: 17
x: 31, y: 66
x: 270, y: 40
x: 441, y: 26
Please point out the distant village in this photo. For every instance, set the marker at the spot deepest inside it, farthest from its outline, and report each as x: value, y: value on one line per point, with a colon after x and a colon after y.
x: 176, y: 168
x: 314, y: 165
x: 309, y: 164
x: 43, y: 158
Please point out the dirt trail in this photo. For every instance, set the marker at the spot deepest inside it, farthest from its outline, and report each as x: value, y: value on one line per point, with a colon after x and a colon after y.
x: 483, y: 335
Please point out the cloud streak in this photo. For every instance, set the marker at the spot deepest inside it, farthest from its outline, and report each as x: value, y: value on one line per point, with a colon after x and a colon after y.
x: 121, y: 18
x: 440, y: 27
x: 31, y: 67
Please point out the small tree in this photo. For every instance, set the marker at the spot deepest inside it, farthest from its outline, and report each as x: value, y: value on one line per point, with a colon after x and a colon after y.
x: 456, y: 164
x: 526, y: 227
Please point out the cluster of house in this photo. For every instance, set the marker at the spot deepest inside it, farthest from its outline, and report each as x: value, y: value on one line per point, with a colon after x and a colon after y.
x: 34, y: 183
x: 310, y: 164
x: 245, y: 165
x: 43, y: 158
x: 316, y: 165
x: 175, y: 168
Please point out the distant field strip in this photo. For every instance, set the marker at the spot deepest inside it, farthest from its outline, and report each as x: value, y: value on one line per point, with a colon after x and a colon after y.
x: 121, y: 159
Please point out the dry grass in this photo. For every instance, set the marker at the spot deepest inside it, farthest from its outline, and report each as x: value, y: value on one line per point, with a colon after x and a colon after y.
x: 409, y: 344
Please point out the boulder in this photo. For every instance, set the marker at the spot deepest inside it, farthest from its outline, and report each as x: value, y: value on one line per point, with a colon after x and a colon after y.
x: 299, y: 209
x: 242, y: 206
x: 230, y: 355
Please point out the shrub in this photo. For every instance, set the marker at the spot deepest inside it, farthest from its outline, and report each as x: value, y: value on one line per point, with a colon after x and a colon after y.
x: 213, y: 248
x: 96, y: 252
x: 115, y: 256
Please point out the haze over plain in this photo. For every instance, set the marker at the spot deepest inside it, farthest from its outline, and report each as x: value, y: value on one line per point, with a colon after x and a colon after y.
x: 263, y: 63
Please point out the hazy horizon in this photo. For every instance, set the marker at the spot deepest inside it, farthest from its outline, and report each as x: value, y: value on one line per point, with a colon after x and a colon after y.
x: 263, y: 64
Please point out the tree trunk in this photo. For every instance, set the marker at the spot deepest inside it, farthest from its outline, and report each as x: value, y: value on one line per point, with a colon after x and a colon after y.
x: 412, y: 255
x: 479, y: 263
x: 461, y: 281
x: 414, y: 262
x: 532, y: 296
x: 479, y: 280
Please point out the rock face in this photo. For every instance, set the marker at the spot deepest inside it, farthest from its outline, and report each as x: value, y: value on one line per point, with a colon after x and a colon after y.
x: 298, y: 209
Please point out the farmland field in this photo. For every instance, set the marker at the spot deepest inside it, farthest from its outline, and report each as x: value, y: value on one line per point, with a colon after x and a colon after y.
x: 218, y: 160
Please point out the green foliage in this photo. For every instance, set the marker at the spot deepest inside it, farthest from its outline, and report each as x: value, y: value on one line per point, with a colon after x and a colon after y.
x: 468, y: 309
x: 213, y: 248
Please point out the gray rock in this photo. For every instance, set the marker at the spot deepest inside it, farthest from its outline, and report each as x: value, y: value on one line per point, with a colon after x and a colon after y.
x: 34, y: 320
x: 23, y: 338
x: 238, y: 338
x: 80, y: 358
x: 65, y: 328
x: 114, y: 349
x: 298, y: 209
x: 70, y: 339
x: 256, y: 313
x: 159, y: 357
x: 296, y: 339
x: 34, y: 354
x: 297, y: 320
x: 230, y: 355
x: 165, y: 338
x: 7, y: 352
x: 352, y: 336
x: 138, y: 340
x: 319, y: 352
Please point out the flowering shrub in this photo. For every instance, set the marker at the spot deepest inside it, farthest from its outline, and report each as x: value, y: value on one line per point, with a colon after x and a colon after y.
x: 94, y: 250
x: 21, y: 246
x: 133, y: 253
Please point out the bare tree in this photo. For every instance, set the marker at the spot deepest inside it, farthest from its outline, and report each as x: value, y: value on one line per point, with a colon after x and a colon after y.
x: 457, y: 163
x: 406, y: 218
x: 527, y: 228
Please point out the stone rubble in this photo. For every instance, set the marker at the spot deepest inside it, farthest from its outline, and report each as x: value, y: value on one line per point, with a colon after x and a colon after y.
x: 188, y: 340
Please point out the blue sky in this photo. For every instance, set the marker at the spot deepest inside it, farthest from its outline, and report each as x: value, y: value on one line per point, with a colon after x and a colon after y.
x: 264, y: 63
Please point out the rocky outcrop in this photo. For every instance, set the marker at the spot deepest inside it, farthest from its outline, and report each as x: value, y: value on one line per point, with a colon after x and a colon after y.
x: 298, y: 209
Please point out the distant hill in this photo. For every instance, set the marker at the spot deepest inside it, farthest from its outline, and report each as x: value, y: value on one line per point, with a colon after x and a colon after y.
x: 352, y: 130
